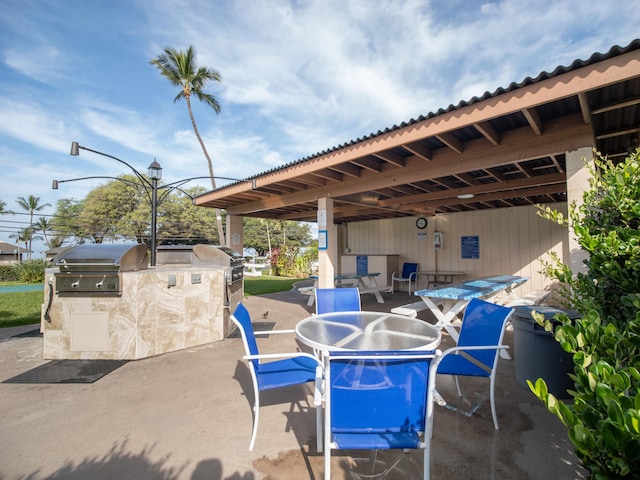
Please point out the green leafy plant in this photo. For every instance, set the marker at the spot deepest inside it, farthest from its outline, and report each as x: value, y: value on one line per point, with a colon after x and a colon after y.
x: 603, y: 419
x: 31, y: 271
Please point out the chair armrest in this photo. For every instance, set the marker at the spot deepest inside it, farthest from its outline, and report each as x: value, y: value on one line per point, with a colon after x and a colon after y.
x: 275, y: 332
x: 476, y: 347
x: 262, y: 356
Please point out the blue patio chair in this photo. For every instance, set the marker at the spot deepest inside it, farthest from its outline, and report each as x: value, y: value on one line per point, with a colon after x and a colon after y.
x: 291, y: 369
x: 337, y: 300
x: 409, y: 274
x: 379, y: 401
x: 480, y: 340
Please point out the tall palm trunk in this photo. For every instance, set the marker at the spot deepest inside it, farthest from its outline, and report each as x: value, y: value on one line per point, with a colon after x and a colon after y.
x: 223, y: 240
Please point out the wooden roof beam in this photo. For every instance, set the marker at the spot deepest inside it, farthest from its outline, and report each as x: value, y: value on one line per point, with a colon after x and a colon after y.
x: 391, y: 157
x: 451, y: 141
x: 419, y: 150
x: 534, y: 120
x: 487, y: 131
x: 520, y: 183
x: 348, y: 169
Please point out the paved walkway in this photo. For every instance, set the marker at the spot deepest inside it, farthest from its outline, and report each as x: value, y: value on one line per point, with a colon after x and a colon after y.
x: 187, y: 415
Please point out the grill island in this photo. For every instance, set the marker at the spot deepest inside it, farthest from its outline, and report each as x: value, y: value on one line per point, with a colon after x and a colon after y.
x: 102, y: 301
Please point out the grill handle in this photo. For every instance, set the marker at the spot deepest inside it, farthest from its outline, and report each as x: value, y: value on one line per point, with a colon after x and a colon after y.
x: 82, y: 264
x: 47, y: 317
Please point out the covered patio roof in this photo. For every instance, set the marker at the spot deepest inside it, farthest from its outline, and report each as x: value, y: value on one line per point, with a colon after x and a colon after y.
x: 503, y: 149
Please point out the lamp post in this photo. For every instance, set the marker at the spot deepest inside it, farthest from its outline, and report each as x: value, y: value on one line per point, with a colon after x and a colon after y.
x: 155, y: 174
x: 150, y: 187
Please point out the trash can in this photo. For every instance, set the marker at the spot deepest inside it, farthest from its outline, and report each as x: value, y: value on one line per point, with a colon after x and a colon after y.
x: 538, y: 354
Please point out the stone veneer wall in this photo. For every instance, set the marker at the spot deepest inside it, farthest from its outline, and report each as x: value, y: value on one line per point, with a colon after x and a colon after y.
x: 149, y: 318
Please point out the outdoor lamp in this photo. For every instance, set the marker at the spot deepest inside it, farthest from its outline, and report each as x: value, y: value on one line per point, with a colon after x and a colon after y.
x: 54, y: 186
x: 155, y: 170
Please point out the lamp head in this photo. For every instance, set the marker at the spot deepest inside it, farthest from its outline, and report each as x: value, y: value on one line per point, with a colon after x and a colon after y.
x: 155, y: 170
x: 75, y: 149
x: 54, y: 186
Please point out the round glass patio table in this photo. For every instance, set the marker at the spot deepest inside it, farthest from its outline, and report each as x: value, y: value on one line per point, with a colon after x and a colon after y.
x: 366, y: 331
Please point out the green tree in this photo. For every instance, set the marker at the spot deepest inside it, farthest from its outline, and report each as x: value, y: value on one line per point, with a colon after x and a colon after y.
x: 65, y: 224
x: 120, y: 210
x: 266, y: 235
x: 32, y: 205
x: 181, y: 69
x: 110, y: 211
x: 183, y: 221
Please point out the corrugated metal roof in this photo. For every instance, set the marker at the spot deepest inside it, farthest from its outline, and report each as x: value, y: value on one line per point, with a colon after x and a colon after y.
x: 611, y: 110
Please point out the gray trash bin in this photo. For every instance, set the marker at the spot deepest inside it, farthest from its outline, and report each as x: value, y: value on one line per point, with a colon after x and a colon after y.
x: 537, y: 354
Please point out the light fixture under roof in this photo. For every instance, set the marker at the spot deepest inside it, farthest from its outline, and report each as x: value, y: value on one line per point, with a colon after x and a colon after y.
x: 465, y: 196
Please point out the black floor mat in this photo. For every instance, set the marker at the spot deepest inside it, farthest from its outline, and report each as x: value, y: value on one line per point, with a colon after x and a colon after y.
x: 257, y: 327
x: 68, y: 371
x: 31, y: 333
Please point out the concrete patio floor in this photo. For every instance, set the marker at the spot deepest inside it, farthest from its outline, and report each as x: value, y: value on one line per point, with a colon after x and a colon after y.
x: 187, y: 415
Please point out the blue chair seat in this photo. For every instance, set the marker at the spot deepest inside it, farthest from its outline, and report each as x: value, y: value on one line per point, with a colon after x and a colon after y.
x: 282, y: 373
x: 376, y: 441
x: 458, y: 365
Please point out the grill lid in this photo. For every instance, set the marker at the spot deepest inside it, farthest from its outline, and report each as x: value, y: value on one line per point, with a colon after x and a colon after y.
x: 216, y: 255
x: 117, y: 256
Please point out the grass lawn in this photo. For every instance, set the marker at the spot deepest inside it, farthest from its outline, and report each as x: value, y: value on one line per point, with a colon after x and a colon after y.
x: 267, y: 284
x: 23, y: 308
x: 20, y: 308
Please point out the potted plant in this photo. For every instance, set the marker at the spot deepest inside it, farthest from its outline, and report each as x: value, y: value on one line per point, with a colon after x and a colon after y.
x: 603, y: 415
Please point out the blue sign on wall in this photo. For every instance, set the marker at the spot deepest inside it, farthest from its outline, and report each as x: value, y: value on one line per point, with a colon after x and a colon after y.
x: 470, y: 246
x: 362, y: 265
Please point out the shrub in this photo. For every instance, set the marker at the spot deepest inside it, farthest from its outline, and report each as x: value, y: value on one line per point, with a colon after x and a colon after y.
x: 31, y: 271
x: 7, y: 273
x: 603, y: 420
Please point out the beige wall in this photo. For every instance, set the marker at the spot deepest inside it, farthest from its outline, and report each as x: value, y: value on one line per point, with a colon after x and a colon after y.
x: 512, y: 241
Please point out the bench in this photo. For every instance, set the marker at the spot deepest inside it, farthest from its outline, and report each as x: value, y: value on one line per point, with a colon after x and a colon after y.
x: 255, y: 269
x: 310, y: 290
x: 411, y: 309
x: 531, y: 298
x: 380, y: 288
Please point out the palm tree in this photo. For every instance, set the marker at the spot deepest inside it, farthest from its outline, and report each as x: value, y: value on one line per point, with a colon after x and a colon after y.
x: 31, y: 204
x: 43, y: 225
x: 2, y: 209
x: 26, y: 236
x: 181, y: 69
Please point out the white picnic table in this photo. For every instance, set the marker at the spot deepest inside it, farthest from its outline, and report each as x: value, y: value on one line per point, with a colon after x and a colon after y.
x: 366, y: 283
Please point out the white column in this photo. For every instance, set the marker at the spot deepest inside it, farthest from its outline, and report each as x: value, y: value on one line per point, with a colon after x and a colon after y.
x: 578, y: 176
x: 327, y: 237
x: 235, y: 239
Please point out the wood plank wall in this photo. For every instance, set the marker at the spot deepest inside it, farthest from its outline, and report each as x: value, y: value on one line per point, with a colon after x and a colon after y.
x: 512, y: 242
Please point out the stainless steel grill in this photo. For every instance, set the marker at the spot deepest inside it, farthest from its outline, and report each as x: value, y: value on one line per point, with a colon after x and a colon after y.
x: 94, y: 269
x: 221, y: 256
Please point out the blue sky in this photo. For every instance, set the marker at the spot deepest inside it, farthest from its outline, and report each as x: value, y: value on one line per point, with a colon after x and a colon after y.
x: 298, y: 77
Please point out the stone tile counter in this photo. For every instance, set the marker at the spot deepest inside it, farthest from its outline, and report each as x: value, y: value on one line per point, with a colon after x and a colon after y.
x: 161, y: 310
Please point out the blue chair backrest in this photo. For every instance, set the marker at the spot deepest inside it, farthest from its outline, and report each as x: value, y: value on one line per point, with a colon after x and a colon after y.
x: 483, y: 324
x: 241, y: 314
x: 378, y: 395
x: 408, y: 269
x: 337, y: 300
